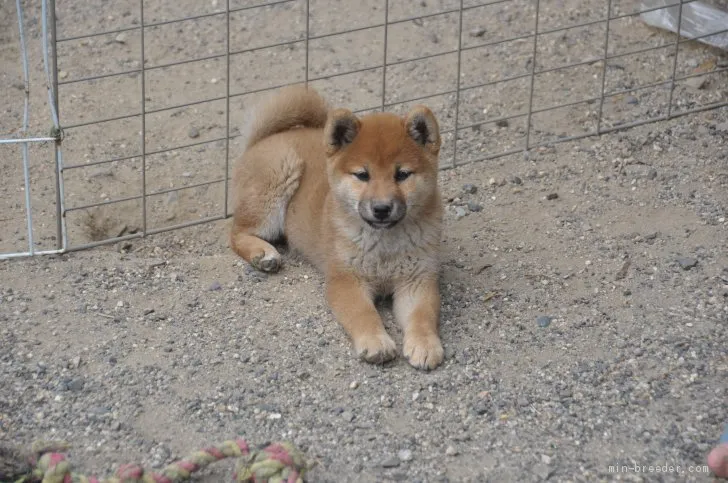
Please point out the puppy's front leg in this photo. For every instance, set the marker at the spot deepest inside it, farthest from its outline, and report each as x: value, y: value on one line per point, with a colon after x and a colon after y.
x: 417, y: 310
x: 354, y: 308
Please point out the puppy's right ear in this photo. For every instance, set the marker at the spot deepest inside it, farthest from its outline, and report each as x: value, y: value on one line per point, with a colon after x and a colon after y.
x: 341, y: 128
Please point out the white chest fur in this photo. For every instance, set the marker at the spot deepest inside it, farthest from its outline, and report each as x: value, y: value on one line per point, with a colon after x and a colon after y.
x: 386, y: 258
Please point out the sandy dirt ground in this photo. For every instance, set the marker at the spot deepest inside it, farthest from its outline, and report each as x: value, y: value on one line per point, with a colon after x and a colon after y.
x: 585, y: 284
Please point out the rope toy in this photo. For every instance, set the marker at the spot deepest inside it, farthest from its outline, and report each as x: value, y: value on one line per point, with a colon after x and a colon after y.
x: 718, y: 457
x: 276, y: 463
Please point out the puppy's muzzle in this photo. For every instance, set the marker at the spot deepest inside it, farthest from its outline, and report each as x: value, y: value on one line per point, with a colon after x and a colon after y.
x: 382, y: 213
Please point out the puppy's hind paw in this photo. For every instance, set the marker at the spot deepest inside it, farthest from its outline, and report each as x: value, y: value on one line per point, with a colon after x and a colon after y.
x: 269, y: 263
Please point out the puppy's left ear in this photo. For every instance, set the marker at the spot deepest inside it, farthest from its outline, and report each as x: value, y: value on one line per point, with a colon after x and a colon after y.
x: 422, y: 127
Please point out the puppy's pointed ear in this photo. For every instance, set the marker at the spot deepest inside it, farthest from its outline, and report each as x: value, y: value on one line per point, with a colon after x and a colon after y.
x: 341, y: 128
x: 422, y: 127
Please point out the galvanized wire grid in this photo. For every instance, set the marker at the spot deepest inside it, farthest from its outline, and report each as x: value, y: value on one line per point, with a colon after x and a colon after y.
x: 24, y: 140
x: 455, y: 133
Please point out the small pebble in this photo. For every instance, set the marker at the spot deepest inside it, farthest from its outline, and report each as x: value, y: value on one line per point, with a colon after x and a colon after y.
x: 543, y: 320
x: 470, y: 188
x: 353, y: 385
x: 622, y: 272
x: 686, y: 263
x: 697, y: 82
x: 451, y: 451
x: 692, y: 63
x: 481, y: 408
x: 193, y: 133
x: 478, y: 32
x: 542, y: 471
x: 100, y: 410
x: 475, y: 207
x: 632, y: 100
x: 405, y: 455
x: 215, y: 286
x: 552, y: 196
x: 76, y: 385
x: 460, y: 212
x: 392, y: 462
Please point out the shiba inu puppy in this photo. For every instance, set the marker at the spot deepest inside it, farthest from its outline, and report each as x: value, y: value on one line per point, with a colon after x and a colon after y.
x: 359, y: 198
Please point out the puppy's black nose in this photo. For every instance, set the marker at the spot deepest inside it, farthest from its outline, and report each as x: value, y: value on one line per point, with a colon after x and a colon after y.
x: 381, y: 210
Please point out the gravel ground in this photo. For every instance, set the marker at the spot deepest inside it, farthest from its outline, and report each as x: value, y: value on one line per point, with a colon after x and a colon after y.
x: 585, y: 284
x: 174, y: 344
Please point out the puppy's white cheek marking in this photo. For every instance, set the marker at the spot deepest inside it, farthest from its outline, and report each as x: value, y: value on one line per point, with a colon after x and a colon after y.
x: 345, y: 194
x: 413, y: 197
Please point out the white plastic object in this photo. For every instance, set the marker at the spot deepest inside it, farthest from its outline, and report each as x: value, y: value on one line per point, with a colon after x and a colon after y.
x: 697, y: 20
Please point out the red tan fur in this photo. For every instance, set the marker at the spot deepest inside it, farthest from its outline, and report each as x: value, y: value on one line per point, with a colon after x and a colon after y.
x: 359, y: 198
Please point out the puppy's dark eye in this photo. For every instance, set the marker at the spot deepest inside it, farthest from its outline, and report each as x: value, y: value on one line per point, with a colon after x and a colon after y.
x: 361, y: 176
x: 401, y: 175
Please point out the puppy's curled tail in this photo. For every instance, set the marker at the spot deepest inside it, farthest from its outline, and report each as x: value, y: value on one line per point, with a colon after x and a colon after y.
x: 290, y: 107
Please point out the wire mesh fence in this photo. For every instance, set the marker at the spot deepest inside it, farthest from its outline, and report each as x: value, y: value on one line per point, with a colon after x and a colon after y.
x: 146, y: 96
x: 24, y: 140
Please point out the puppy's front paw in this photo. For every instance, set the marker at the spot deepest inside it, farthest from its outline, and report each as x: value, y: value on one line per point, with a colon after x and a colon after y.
x: 423, y: 352
x: 376, y: 348
x: 270, y: 262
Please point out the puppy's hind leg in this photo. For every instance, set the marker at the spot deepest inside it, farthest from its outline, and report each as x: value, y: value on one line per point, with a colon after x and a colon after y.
x: 256, y: 251
x: 264, y: 188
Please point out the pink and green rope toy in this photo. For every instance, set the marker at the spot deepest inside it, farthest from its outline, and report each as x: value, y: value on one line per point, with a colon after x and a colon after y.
x: 276, y: 463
